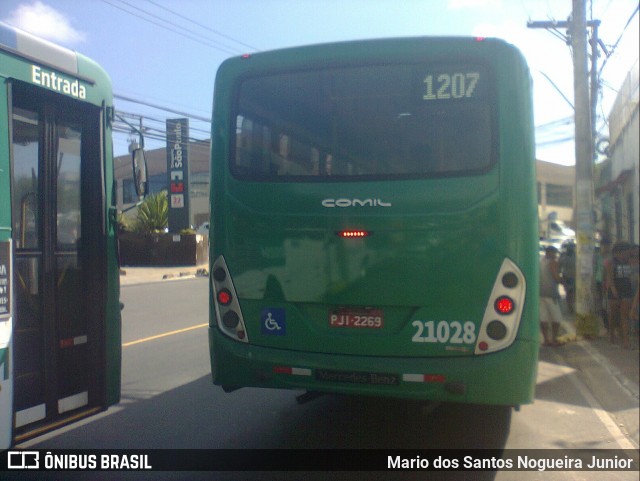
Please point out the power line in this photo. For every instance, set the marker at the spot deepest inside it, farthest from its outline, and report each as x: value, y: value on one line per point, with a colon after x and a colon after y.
x: 178, y: 14
x: 555, y: 141
x: 198, y: 39
x: 150, y: 135
x: 146, y: 130
x: 121, y: 125
x: 151, y: 118
x: 555, y: 123
x: 557, y: 89
x: 615, y: 45
x: 166, y: 109
x: 147, y: 119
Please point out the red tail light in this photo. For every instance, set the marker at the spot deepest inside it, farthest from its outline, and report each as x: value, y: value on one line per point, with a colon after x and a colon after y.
x: 224, y: 297
x: 353, y: 234
x: 504, y: 305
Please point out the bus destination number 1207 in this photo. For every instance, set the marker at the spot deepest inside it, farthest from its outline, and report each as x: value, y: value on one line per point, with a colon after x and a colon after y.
x: 450, y: 86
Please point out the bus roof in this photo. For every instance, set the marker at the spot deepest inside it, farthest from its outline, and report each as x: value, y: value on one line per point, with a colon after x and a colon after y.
x: 405, y: 47
x: 42, y: 63
x: 35, y: 48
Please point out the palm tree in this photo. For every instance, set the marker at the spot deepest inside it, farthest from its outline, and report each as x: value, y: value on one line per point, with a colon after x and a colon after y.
x: 153, y: 213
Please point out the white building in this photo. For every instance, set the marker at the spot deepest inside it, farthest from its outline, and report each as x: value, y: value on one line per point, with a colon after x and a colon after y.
x: 556, y: 193
x: 618, y: 189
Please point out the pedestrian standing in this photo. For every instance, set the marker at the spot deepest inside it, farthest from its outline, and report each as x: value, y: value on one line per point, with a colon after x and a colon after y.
x: 568, y: 273
x: 603, y: 257
x: 620, y: 293
x: 550, y: 314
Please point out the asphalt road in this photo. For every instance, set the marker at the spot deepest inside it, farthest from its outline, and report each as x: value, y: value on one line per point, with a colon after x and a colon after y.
x: 168, y: 401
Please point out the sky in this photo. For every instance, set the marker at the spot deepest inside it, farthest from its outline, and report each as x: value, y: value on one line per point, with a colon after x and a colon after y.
x: 165, y: 53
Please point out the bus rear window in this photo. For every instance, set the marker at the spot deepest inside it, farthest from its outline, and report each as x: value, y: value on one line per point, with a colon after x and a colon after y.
x: 382, y: 121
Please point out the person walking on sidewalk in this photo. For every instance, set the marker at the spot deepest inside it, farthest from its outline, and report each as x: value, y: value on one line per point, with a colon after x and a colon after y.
x: 620, y: 293
x: 550, y: 314
x: 603, y: 257
x: 634, y: 316
x: 567, y: 265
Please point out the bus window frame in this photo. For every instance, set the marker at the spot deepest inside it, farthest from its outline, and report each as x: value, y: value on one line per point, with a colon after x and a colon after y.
x: 492, y: 101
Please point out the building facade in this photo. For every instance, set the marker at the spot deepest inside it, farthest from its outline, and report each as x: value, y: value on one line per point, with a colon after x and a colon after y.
x: 617, y: 186
x: 158, y: 179
x: 556, y: 193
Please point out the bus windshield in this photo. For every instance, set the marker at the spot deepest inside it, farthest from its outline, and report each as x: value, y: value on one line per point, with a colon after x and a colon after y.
x: 363, y: 122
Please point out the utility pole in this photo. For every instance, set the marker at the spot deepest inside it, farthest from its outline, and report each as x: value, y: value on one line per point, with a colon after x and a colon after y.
x: 585, y: 108
x: 595, y: 84
x: 585, y: 234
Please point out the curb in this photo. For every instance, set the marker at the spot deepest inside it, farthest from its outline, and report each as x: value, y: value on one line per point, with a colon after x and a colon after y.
x: 145, y: 275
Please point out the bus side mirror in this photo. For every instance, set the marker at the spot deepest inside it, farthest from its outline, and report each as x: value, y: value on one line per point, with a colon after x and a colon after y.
x: 139, y: 163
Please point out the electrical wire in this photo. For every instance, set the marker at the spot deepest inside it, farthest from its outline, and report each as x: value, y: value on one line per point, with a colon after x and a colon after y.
x: 198, y: 39
x: 166, y: 109
x: 556, y: 123
x: 178, y: 14
x: 615, y: 45
x: 162, y: 122
x: 153, y: 134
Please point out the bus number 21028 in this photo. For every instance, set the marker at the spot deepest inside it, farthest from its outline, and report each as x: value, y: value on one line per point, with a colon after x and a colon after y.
x: 444, y: 332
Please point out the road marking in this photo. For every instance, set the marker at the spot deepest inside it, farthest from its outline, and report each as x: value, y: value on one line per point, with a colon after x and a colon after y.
x: 164, y: 334
x: 606, y: 419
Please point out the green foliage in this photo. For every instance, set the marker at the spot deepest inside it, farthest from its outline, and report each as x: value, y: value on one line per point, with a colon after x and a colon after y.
x: 153, y: 213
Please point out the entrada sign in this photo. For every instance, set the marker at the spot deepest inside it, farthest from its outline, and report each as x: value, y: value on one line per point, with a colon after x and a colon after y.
x: 58, y: 83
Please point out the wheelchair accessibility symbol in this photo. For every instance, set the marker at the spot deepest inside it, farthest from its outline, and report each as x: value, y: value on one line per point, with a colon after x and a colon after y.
x: 270, y: 323
x: 273, y: 322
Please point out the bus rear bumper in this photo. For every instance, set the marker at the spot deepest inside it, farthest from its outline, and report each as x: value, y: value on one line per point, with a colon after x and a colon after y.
x: 503, y: 378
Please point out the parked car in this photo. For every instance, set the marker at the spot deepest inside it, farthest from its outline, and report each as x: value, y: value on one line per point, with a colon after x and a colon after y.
x: 555, y: 242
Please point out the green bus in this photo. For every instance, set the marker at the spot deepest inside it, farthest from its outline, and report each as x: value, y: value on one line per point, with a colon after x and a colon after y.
x: 374, y: 221
x: 60, y: 347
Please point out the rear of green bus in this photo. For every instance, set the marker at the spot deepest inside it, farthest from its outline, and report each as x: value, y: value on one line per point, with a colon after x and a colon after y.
x: 374, y: 221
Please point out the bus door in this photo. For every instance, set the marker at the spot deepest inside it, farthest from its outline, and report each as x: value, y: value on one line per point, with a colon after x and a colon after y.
x: 55, y: 154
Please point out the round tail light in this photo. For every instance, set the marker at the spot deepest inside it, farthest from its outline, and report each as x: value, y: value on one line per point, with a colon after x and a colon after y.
x: 504, y: 305
x: 224, y: 297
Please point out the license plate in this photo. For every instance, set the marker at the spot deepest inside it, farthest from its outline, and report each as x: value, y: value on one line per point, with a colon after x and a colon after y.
x: 357, y: 318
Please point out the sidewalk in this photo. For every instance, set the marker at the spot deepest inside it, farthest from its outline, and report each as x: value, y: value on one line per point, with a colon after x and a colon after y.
x: 143, y: 275
x: 610, y: 374
x: 623, y: 364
